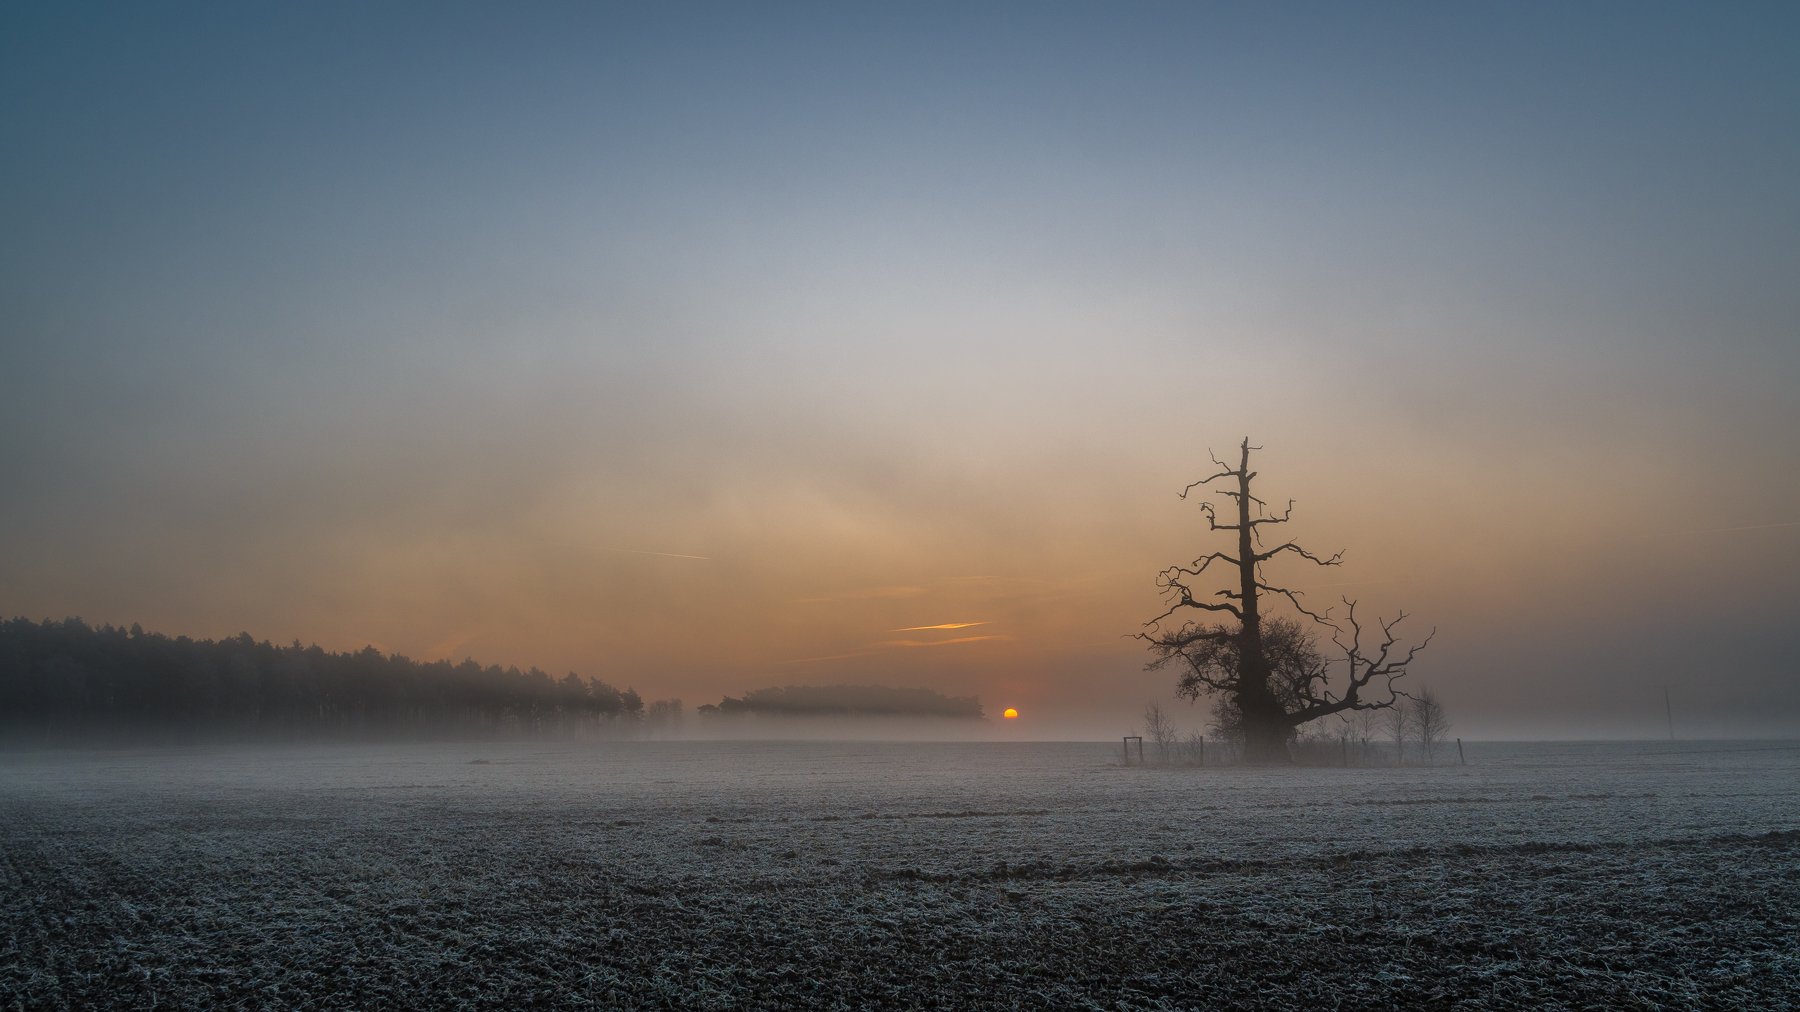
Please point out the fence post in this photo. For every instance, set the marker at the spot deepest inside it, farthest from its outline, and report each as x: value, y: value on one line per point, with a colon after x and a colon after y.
x: 1140, y: 744
x: 1461, y: 760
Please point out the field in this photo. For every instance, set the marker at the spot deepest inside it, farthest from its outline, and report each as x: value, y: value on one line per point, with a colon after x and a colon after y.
x: 814, y: 875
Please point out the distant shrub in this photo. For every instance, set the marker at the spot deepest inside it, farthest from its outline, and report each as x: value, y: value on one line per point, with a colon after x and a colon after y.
x: 848, y: 700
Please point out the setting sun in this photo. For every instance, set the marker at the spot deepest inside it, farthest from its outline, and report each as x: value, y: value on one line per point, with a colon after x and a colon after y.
x: 1011, y: 714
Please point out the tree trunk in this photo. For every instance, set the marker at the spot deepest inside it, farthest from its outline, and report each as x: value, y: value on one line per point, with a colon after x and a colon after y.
x: 1265, y: 726
x: 1266, y: 744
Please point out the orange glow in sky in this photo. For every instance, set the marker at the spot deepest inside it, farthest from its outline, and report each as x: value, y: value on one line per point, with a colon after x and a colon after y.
x: 951, y: 342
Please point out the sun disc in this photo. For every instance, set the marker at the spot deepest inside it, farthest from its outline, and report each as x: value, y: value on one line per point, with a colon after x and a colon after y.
x: 1011, y: 714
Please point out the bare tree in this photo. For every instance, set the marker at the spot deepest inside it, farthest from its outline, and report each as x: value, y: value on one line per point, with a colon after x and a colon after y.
x: 1429, y: 721
x: 1294, y: 663
x: 1362, y: 727
x: 1193, y: 749
x: 1159, y: 729
x: 1240, y: 659
x: 1399, y: 725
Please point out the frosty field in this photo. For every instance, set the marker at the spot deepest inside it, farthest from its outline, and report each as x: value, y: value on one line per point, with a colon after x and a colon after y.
x: 801, y: 875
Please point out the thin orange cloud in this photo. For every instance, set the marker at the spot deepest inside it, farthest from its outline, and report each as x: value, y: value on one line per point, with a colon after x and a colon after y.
x: 945, y: 625
x: 939, y: 643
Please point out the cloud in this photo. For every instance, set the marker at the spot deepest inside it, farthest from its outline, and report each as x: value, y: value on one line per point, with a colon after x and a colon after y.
x: 945, y: 625
x: 938, y: 643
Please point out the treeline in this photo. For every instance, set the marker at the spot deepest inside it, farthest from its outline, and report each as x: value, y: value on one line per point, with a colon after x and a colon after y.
x: 845, y: 700
x: 60, y: 675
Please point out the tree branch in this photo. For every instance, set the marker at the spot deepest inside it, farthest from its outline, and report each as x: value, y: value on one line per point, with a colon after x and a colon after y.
x: 1188, y: 602
x: 1364, y: 669
x: 1303, y: 553
x: 1228, y: 473
x: 1200, y: 564
x: 1212, y: 519
x: 1167, y: 582
x: 1293, y: 597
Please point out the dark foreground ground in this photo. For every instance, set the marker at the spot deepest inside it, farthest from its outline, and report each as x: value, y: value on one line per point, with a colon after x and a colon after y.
x: 896, y: 876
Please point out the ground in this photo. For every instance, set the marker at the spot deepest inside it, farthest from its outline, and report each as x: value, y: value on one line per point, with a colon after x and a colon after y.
x: 747, y: 875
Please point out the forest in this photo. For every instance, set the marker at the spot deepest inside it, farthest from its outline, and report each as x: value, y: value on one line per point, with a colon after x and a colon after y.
x: 60, y: 676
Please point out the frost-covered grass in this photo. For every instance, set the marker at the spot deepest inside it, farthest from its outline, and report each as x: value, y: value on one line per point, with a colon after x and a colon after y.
x: 747, y: 875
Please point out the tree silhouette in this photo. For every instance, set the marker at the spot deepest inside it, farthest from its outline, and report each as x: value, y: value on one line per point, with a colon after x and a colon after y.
x: 1269, y: 673
x: 1160, y: 730
x: 1430, y: 721
x: 1294, y: 662
x: 846, y: 700
x: 63, y: 675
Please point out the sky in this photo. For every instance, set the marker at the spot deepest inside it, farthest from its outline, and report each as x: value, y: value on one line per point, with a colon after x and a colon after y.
x: 703, y: 347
